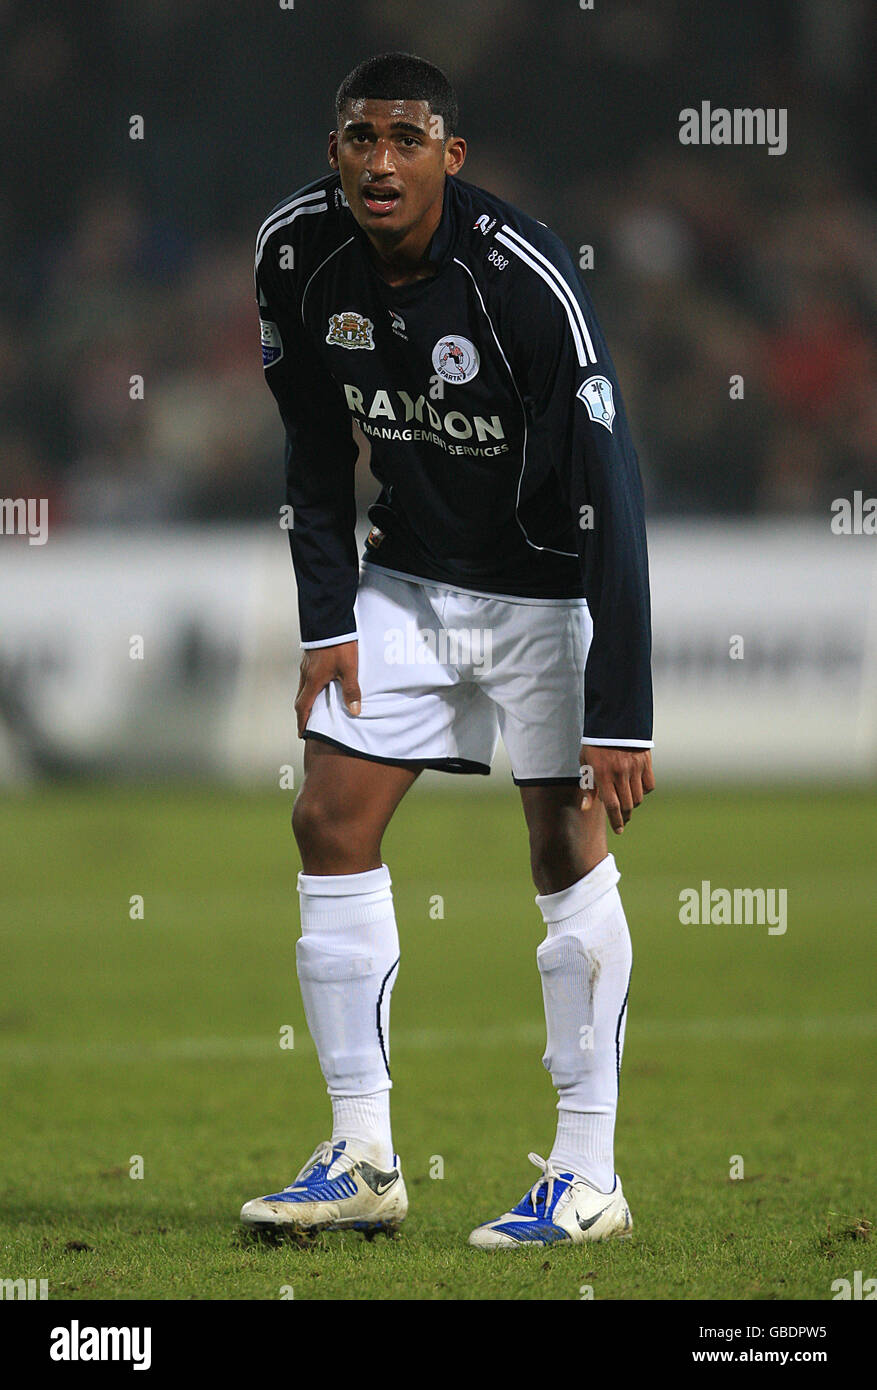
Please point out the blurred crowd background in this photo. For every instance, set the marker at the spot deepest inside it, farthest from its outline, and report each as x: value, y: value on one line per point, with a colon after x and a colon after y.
x: 127, y: 257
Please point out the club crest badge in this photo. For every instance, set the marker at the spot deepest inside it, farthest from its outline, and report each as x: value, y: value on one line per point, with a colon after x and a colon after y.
x: 596, y: 395
x: 350, y: 330
x: 456, y: 359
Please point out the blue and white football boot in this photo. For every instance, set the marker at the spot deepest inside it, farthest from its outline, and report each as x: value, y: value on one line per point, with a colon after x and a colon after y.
x: 335, y: 1191
x: 558, y: 1207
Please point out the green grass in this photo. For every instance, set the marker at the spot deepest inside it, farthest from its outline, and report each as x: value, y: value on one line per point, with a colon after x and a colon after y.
x: 160, y: 1038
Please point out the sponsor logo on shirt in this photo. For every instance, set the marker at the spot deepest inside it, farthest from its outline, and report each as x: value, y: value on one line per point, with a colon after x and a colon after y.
x: 350, y: 330
x: 596, y: 396
x: 456, y: 359
x: 410, y: 420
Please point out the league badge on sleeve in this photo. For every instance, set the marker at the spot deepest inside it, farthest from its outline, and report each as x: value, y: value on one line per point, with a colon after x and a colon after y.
x: 596, y: 395
x: 272, y: 345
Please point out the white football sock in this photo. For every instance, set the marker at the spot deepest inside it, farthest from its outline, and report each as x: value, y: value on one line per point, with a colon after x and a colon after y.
x: 347, y: 958
x: 585, y: 964
x: 364, y: 1121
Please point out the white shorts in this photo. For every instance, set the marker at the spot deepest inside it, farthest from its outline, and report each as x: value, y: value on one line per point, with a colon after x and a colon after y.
x: 444, y: 673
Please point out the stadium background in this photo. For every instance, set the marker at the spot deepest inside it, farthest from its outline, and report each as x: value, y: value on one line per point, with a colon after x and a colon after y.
x: 131, y: 257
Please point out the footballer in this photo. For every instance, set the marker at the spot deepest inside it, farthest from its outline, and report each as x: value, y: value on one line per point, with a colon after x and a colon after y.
x: 508, y: 548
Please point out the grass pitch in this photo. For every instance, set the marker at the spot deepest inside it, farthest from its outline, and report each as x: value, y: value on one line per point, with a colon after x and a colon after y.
x: 160, y: 1039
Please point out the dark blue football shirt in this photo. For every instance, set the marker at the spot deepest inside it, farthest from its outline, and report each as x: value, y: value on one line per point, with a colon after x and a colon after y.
x: 496, y: 423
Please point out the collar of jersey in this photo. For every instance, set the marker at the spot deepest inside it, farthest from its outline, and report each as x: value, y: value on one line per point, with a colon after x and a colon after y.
x: 441, y: 247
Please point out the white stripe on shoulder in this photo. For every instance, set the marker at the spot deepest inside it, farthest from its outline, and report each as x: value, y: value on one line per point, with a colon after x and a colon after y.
x: 552, y: 277
x: 309, y: 202
x: 319, y: 195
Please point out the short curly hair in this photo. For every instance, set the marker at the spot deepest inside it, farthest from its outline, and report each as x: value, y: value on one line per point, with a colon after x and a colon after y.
x: 401, y: 77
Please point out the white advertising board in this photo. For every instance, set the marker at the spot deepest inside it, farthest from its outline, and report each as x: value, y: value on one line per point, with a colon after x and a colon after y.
x: 147, y: 653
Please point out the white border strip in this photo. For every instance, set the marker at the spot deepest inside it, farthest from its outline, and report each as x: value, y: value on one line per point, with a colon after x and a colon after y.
x: 330, y: 641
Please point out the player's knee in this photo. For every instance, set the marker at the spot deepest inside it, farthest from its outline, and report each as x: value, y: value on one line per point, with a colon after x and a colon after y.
x: 322, y: 831
x: 311, y: 823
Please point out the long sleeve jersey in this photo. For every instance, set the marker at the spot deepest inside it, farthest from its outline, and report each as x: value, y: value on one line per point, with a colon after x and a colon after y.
x: 497, y: 428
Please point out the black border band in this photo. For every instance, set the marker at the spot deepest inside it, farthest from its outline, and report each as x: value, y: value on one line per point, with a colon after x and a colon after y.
x: 462, y: 765
x: 545, y: 781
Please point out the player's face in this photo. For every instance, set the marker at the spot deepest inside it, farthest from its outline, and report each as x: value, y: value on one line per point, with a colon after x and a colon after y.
x: 392, y: 162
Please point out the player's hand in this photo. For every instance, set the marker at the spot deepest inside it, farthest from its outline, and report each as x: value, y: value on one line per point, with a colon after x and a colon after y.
x: 319, y: 667
x: 622, y: 777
